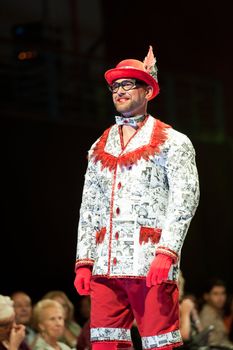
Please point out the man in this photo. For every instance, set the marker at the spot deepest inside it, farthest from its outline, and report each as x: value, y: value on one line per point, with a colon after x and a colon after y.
x: 23, y: 314
x: 140, y: 194
x: 213, y: 311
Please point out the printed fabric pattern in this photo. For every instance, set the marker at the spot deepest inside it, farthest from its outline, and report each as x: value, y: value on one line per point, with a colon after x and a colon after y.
x: 159, y: 341
x: 137, y: 201
x: 110, y: 334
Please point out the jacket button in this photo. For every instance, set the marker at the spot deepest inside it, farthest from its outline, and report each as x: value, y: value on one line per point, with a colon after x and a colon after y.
x: 119, y: 185
x: 114, y: 261
x: 117, y: 235
x: 118, y: 211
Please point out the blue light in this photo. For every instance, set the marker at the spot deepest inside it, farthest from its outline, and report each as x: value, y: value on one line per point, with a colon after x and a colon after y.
x: 19, y: 31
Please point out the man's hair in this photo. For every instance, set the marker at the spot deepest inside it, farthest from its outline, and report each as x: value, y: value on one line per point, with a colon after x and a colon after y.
x: 213, y: 282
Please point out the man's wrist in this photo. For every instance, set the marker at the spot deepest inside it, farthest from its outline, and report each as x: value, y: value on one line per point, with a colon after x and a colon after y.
x: 168, y: 252
x: 84, y: 263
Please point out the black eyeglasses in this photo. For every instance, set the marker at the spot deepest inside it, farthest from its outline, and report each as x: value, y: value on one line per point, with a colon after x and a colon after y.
x: 126, y: 85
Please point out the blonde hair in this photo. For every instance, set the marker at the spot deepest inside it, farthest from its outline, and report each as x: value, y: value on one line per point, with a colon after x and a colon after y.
x: 181, y: 283
x: 40, y: 307
x: 59, y: 293
x: 6, y: 307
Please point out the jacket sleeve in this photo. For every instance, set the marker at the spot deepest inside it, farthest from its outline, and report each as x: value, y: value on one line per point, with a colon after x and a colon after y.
x: 183, y: 184
x: 89, y: 217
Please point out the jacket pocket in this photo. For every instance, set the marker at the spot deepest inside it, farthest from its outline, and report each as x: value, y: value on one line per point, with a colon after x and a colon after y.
x: 149, y: 233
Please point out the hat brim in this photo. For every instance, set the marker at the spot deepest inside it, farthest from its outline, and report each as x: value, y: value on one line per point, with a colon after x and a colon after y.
x: 120, y: 73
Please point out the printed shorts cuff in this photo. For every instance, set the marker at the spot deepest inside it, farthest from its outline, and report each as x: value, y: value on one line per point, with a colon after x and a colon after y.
x: 110, y: 334
x: 159, y: 341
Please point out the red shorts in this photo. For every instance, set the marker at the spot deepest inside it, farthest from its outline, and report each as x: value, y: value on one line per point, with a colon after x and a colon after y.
x: 115, y: 303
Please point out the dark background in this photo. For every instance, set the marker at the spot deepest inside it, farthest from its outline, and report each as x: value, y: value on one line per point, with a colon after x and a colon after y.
x: 46, y: 131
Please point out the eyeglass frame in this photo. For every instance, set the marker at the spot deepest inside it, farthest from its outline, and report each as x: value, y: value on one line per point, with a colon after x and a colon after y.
x: 137, y: 83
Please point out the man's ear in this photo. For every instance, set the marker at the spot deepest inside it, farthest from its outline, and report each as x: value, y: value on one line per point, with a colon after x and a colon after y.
x: 149, y: 92
x: 206, y: 296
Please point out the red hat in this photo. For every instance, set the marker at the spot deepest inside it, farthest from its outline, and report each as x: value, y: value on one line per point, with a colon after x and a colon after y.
x: 130, y: 68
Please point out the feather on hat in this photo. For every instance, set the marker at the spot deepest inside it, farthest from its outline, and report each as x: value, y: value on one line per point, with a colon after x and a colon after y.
x: 150, y: 64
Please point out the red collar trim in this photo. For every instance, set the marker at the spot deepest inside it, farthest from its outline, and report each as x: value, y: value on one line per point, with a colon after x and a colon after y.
x: 158, y: 137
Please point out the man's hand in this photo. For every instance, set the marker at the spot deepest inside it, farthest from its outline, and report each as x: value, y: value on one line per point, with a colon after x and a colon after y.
x: 187, y: 306
x: 82, y: 280
x: 17, y: 335
x: 159, y: 269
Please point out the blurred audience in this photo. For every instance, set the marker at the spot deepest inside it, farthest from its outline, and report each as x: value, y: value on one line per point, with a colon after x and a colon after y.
x: 23, y: 314
x: 11, y: 334
x: 84, y: 310
x: 72, y: 329
x: 83, y: 342
x: 228, y: 320
x: 54, y: 326
x: 212, y: 313
x: 190, y: 325
x: 48, y: 318
x: 84, y: 338
x: 135, y: 336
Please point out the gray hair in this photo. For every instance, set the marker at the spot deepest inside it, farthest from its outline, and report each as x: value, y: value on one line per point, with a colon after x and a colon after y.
x: 6, y: 307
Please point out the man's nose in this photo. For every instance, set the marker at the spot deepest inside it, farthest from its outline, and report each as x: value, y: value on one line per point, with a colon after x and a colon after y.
x: 121, y: 91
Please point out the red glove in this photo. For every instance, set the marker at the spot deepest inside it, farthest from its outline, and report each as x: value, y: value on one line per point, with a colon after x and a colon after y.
x: 159, y: 269
x: 82, y: 280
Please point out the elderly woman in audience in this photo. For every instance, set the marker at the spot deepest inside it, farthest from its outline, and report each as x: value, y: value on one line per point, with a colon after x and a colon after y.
x: 11, y: 335
x: 48, y: 317
x: 72, y: 329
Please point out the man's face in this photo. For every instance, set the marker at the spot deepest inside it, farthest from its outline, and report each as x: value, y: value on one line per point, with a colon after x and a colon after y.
x: 216, y: 297
x: 23, y: 308
x: 133, y: 101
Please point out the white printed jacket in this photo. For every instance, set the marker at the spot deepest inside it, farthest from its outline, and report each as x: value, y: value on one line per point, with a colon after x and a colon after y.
x: 138, y: 200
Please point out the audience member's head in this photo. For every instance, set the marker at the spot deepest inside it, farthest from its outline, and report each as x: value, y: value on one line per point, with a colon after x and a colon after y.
x: 7, y: 317
x: 215, y: 293
x: 72, y: 328
x: 23, y: 307
x: 11, y: 334
x: 48, y: 318
x: 63, y: 299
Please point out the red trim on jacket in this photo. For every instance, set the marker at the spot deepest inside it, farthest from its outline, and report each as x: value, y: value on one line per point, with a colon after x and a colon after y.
x: 158, y: 137
x: 111, y: 215
x: 99, y: 235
